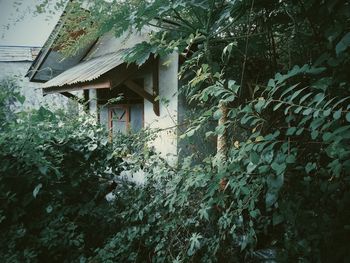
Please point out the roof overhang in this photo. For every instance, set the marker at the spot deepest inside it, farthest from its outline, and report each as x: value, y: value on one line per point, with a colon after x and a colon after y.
x: 106, y: 72
x: 87, y: 71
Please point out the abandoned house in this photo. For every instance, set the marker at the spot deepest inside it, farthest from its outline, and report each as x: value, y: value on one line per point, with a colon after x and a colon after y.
x: 98, y: 72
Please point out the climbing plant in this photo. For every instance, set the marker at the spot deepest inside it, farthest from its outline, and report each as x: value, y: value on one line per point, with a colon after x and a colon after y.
x: 276, y: 72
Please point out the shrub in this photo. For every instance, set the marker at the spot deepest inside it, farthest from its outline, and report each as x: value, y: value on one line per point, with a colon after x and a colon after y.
x: 53, y: 173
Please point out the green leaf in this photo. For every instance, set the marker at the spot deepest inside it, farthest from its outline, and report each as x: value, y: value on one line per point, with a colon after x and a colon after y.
x: 343, y: 44
x: 310, y: 167
x: 327, y: 136
x: 307, y: 111
x: 303, y: 98
x: 291, y: 131
x: 335, y: 167
x: 271, y: 83
x: 299, y: 131
x: 277, y: 106
x: 264, y: 169
x: 194, y: 244
x: 49, y: 209
x: 259, y: 138
x: 254, y: 157
x: 43, y: 169
x: 233, y: 87
x: 291, y: 159
x: 37, y: 189
x: 219, y: 129
x: 140, y: 214
x: 190, y: 133
x: 298, y: 110
x: 315, y: 71
x: 259, y: 105
x: 217, y: 114
x: 271, y: 198
x: 289, y: 89
x: 226, y: 53
x: 203, y: 213
x: 319, y: 98
x: 327, y: 112
x: 251, y: 167
x: 337, y: 114
x: 279, y: 168
x: 296, y: 94
x: 314, y: 134
x: 275, y: 182
x: 347, y: 116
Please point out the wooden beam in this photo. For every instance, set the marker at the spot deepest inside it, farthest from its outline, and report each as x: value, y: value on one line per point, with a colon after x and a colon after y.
x: 144, y: 94
x: 101, y: 84
x: 121, y: 74
x: 139, y: 90
x: 125, y: 72
x: 73, y: 97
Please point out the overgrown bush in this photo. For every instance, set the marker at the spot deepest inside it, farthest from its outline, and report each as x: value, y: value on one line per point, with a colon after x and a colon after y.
x: 267, y: 200
x: 51, y: 196
x: 55, y: 170
x: 9, y: 97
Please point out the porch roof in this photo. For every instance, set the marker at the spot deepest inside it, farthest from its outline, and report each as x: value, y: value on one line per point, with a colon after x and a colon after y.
x: 86, y: 71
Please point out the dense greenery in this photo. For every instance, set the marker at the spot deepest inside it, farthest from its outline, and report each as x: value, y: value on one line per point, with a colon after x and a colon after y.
x: 55, y: 172
x: 51, y: 198
x: 283, y: 192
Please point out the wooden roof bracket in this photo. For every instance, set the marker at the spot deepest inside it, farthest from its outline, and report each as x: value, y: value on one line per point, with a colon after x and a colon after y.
x: 153, y: 98
x: 73, y: 97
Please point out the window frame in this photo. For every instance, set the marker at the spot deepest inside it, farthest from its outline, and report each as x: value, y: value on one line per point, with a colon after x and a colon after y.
x: 127, y: 108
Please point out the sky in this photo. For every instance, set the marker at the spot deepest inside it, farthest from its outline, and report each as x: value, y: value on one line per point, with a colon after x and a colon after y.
x: 19, y: 26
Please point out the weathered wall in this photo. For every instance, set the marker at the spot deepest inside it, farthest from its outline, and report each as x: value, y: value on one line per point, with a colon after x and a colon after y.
x: 32, y: 91
x: 166, y: 141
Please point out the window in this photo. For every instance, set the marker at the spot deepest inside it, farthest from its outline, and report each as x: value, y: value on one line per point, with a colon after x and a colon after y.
x: 125, y: 117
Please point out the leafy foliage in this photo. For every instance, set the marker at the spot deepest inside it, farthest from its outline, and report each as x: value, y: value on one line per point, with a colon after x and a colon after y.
x: 55, y: 174
x: 50, y: 195
x: 281, y: 69
x: 9, y: 97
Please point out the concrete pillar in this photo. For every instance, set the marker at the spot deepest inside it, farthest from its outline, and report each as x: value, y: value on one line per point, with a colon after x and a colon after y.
x: 93, y: 110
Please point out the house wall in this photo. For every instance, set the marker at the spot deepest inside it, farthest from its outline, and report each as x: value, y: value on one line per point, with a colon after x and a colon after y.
x: 166, y: 139
x: 31, y: 90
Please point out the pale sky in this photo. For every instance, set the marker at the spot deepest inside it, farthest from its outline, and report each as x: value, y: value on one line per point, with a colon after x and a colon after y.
x: 19, y: 26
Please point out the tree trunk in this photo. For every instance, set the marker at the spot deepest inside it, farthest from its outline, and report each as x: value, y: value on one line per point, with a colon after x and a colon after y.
x: 222, y: 145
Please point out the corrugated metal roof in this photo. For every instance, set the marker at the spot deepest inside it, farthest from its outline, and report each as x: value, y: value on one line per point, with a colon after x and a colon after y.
x: 86, y: 71
x: 18, y: 53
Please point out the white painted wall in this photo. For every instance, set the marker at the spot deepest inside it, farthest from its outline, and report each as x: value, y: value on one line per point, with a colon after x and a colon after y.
x: 32, y: 91
x: 166, y: 141
x: 93, y: 110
